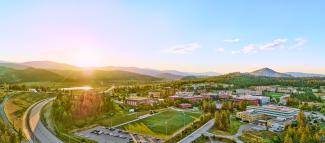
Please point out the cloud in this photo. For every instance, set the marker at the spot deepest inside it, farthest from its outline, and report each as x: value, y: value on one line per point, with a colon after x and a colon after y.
x: 273, y: 45
x: 250, y: 49
x: 277, y: 43
x: 234, y: 52
x: 220, y: 50
x: 184, y: 48
x: 235, y: 40
x: 299, y: 42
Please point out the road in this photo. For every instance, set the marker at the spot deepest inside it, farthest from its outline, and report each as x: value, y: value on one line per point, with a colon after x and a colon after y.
x: 190, y: 138
x: 318, y: 114
x: 4, y: 116
x: 207, y: 126
x: 109, y: 90
x: 33, y: 128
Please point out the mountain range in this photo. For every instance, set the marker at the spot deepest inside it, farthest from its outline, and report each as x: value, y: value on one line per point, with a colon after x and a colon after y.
x: 74, y: 72
x: 66, y: 71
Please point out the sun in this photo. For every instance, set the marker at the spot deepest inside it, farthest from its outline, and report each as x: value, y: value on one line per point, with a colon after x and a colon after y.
x: 87, y: 58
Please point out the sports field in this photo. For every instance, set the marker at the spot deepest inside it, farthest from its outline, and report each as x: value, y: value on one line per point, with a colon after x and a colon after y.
x: 163, y: 124
x: 273, y: 94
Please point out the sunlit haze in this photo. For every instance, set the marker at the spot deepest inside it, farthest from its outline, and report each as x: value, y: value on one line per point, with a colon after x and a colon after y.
x: 186, y: 35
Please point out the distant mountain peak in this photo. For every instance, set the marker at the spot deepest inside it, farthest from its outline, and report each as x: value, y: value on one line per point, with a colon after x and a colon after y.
x: 267, y: 72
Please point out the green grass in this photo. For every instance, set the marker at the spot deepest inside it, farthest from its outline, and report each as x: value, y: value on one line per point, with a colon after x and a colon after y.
x: 273, y: 94
x: 258, y: 136
x: 17, y: 104
x: 156, y: 125
x: 234, y: 126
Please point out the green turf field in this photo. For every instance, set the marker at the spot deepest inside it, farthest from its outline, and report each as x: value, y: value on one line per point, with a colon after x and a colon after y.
x: 156, y: 125
x: 273, y: 94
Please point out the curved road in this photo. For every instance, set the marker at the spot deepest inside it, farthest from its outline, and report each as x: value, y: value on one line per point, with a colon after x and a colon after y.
x: 33, y: 128
x: 203, y: 130
x: 4, y: 116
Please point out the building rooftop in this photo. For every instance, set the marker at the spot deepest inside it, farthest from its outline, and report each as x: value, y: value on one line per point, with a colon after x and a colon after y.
x: 278, y: 108
x: 137, y: 98
x: 251, y: 97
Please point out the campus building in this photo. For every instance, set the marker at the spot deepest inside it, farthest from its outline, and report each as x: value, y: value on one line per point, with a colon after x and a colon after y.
x: 250, y: 116
x: 188, y: 96
x: 275, y: 111
x: 253, y: 100
x: 248, y: 92
x: 135, y: 101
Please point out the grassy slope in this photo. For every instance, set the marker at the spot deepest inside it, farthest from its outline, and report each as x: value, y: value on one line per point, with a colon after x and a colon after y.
x: 19, y: 103
x: 48, y: 122
x: 157, y: 123
x: 234, y: 126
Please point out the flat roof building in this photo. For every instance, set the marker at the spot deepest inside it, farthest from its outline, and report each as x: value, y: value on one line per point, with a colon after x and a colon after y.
x: 253, y: 100
x: 275, y: 111
x: 135, y: 101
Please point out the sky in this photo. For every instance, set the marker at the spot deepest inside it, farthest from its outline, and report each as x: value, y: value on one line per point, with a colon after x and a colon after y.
x: 188, y: 35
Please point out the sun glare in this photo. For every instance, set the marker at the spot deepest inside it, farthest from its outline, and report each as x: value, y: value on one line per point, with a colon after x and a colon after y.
x: 87, y: 58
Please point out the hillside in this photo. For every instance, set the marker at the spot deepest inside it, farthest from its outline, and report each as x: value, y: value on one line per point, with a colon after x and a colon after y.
x: 100, y: 75
x: 12, y: 65
x: 268, y: 73
x: 27, y: 75
x: 243, y: 80
x: 35, y: 75
x: 169, y: 76
x: 50, y: 65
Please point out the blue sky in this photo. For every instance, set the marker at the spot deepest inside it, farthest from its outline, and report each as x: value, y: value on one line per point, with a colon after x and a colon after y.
x: 189, y: 35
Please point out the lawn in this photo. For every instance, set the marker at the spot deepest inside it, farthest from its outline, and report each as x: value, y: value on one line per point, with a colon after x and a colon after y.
x: 273, y: 94
x: 19, y: 103
x: 234, y: 126
x: 258, y: 136
x: 156, y: 125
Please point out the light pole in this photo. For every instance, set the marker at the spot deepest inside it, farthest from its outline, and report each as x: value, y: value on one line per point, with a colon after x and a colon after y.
x: 183, y: 119
x: 166, y: 127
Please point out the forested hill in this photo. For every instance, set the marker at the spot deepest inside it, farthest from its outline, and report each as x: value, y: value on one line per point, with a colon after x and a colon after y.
x: 246, y: 80
x: 35, y: 75
x: 26, y: 75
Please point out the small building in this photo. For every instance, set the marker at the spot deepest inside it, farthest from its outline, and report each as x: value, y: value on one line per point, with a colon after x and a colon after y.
x: 185, y: 105
x: 135, y: 101
x: 278, y: 124
x: 154, y: 94
x: 32, y: 90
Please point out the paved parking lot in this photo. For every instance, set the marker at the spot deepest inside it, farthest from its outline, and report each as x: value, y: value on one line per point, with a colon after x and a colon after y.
x: 112, y: 135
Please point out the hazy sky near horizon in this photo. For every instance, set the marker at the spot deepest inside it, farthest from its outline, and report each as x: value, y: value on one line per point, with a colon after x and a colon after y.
x: 188, y: 35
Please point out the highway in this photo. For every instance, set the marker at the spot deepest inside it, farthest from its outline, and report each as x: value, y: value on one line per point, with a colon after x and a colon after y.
x: 33, y: 128
x: 4, y: 116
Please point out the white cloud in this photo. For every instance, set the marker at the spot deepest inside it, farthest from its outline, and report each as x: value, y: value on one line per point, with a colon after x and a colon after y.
x: 250, y: 49
x: 220, y: 50
x: 184, y: 48
x: 235, y: 40
x: 299, y: 42
x: 234, y: 52
x: 277, y: 43
x: 273, y: 45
